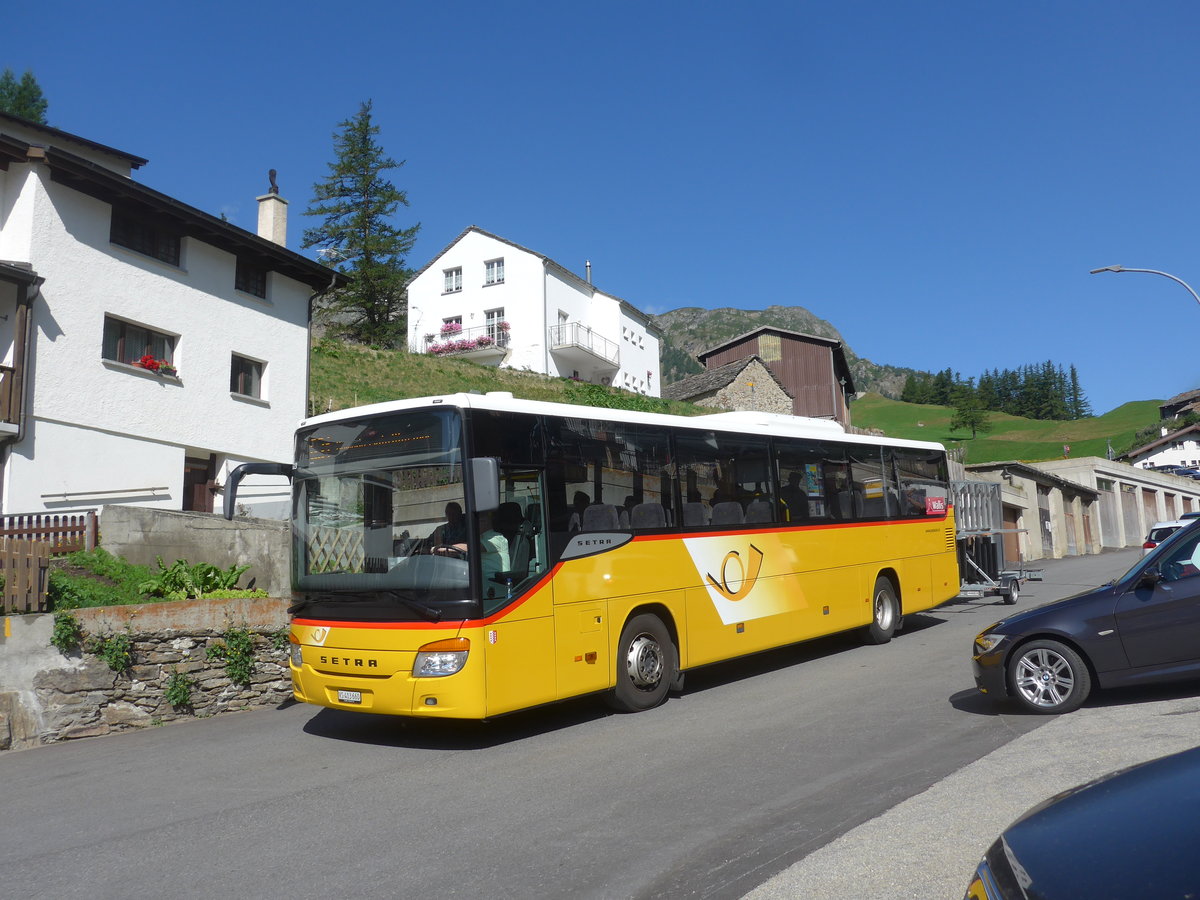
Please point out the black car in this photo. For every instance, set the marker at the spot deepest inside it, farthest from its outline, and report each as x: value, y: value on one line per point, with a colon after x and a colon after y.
x: 1129, y: 834
x: 1141, y: 628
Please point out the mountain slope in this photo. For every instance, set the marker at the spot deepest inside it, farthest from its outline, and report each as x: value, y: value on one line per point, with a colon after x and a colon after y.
x: 691, y: 330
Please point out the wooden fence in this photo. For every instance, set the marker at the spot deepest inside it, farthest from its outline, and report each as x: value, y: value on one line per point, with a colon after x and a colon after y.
x: 63, y: 533
x: 25, y: 566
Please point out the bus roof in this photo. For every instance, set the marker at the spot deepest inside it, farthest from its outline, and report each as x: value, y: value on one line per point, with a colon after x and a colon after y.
x: 745, y: 421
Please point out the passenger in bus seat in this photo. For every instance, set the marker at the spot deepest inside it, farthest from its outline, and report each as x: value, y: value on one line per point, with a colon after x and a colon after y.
x: 794, y: 498
x: 497, y: 542
x: 578, y: 504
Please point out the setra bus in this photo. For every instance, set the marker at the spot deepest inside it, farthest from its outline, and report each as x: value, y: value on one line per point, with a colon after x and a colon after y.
x: 471, y: 555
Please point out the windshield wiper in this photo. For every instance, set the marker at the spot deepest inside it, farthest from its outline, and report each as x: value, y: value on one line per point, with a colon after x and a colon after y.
x: 433, y: 615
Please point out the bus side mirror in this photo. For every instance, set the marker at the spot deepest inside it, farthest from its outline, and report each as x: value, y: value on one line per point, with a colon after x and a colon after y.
x: 231, y: 483
x: 485, y: 483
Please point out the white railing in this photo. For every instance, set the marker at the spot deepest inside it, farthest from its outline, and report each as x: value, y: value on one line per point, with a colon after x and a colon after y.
x: 576, y: 334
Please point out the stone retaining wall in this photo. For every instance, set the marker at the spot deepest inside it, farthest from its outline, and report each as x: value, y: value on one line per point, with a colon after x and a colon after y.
x: 46, y: 696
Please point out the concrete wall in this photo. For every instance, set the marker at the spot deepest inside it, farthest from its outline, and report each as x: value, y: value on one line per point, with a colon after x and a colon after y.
x: 141, y: 533
x: 48, y: 696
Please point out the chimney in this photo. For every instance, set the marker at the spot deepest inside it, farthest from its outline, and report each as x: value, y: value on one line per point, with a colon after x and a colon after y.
x: 272, y: 214
x: 588, y: 265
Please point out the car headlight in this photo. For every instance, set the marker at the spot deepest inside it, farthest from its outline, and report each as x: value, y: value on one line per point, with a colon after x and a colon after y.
x: 441, y: 658
x: 988, y: 641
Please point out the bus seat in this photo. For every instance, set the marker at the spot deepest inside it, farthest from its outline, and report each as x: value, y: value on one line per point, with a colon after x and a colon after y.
x: 601, y: 517
x: 759, y: 511
x: 727, y: 513
x: 648, y: 515
x: 695, y: 513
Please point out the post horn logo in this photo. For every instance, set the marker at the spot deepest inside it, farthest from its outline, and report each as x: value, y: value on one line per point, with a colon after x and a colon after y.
x: 746, y: 573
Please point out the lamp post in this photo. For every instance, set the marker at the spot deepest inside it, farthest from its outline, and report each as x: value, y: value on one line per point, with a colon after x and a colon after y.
x: 1174, y: 278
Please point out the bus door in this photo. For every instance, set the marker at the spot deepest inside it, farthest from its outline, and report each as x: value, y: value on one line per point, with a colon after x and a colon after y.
x: 519, y: 634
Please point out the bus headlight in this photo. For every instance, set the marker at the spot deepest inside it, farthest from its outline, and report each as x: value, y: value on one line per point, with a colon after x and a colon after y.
x: 441, y: 658
x: 297, y: 656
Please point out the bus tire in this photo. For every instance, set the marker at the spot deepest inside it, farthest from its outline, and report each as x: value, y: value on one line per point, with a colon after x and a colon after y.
x: 885, y: 612
x: 647, y: 665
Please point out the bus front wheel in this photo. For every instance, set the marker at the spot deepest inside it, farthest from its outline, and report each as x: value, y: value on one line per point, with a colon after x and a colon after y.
x: 885, y: 612
x: 647, y: 665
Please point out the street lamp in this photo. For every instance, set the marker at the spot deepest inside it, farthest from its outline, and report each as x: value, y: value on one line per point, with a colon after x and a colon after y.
x: 1174, y: 278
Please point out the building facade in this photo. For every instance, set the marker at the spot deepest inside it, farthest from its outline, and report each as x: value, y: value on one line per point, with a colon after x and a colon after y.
x: 146, y: 347
x: 812, y: 369
x: 744, y: 384
x: 489, y: 300
x: 1080, y: 506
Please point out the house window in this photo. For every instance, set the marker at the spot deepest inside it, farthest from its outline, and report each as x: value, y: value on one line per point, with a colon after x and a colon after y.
x: 494, y: 320
x: 125, y: 342
x: 144, y: 236
x: 245, y: 377
x: 250, y: 278
x: 453, y: 280
x: 493, y: 271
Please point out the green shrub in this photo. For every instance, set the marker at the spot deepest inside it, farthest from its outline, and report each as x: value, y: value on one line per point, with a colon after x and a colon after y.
x: 236, y: 594
x: 112, y: 581
x: 179, y: 689
x: 237, y: 650
x: 184, y: 581
x: 114, y: 649
x: 67, y: 634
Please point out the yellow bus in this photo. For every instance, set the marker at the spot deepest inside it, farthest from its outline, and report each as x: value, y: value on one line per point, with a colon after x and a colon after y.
x: 471, y: 555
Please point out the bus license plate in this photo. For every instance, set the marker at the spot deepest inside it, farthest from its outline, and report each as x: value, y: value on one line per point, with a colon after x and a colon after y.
x: 349, y: 696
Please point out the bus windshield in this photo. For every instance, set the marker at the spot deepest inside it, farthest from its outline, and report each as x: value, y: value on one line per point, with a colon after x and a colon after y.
x: 380, y: 520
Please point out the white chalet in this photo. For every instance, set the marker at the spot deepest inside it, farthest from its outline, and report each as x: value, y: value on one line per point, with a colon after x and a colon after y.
x: 1178, y: 448
x: 490, y: 300
x: 146, y: 347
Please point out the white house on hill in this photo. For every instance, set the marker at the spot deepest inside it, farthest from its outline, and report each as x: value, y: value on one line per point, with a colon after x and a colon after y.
x: 490, y: 300
x: 146, y: 347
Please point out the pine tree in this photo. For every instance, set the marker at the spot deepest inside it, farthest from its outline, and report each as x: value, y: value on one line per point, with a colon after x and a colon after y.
x: 969, y: 411
x: 22, y: 98
x: 356, y: 236
x: 1078, y: 402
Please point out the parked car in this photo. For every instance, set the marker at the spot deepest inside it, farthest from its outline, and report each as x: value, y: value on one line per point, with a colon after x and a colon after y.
x: 1191, y: 515
x: 1159, y: 532
x: 1129, y: 834
x: 1142, y: 628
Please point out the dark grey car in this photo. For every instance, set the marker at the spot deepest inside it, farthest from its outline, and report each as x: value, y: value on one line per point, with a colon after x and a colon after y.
x: 1141, y: 628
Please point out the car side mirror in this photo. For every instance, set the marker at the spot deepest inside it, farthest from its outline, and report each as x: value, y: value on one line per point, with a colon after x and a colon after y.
x: 1149, y: 578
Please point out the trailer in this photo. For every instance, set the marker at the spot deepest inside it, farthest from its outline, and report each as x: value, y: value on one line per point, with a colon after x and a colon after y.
x: 979, y: 531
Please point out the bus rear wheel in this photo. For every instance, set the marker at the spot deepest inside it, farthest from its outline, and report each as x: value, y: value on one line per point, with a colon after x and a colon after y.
x: 647, y: 665
x: 885, y: 612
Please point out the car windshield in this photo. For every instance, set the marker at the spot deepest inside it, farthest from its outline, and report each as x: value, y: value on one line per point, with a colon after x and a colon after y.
x: 375, y: 498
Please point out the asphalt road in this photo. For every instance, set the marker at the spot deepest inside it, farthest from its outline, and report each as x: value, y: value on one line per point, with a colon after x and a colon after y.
x: 758, y: 764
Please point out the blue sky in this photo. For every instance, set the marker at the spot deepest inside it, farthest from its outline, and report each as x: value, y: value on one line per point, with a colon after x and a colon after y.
x: 934, y: 178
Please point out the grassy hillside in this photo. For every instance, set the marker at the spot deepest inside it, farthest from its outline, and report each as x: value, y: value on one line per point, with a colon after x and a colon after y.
x: 1011, y: 437
x: 345, y: 375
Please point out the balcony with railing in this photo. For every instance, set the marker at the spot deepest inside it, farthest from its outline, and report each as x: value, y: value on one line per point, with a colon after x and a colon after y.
x: 486, y: 344
x: 582, y: 348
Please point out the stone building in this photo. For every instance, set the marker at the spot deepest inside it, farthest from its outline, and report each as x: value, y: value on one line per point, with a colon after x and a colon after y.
x: 744, y: 384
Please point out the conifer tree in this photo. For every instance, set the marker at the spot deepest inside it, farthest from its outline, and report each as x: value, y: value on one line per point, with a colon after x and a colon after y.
x: 22, y: 98
x: 357, y: 205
